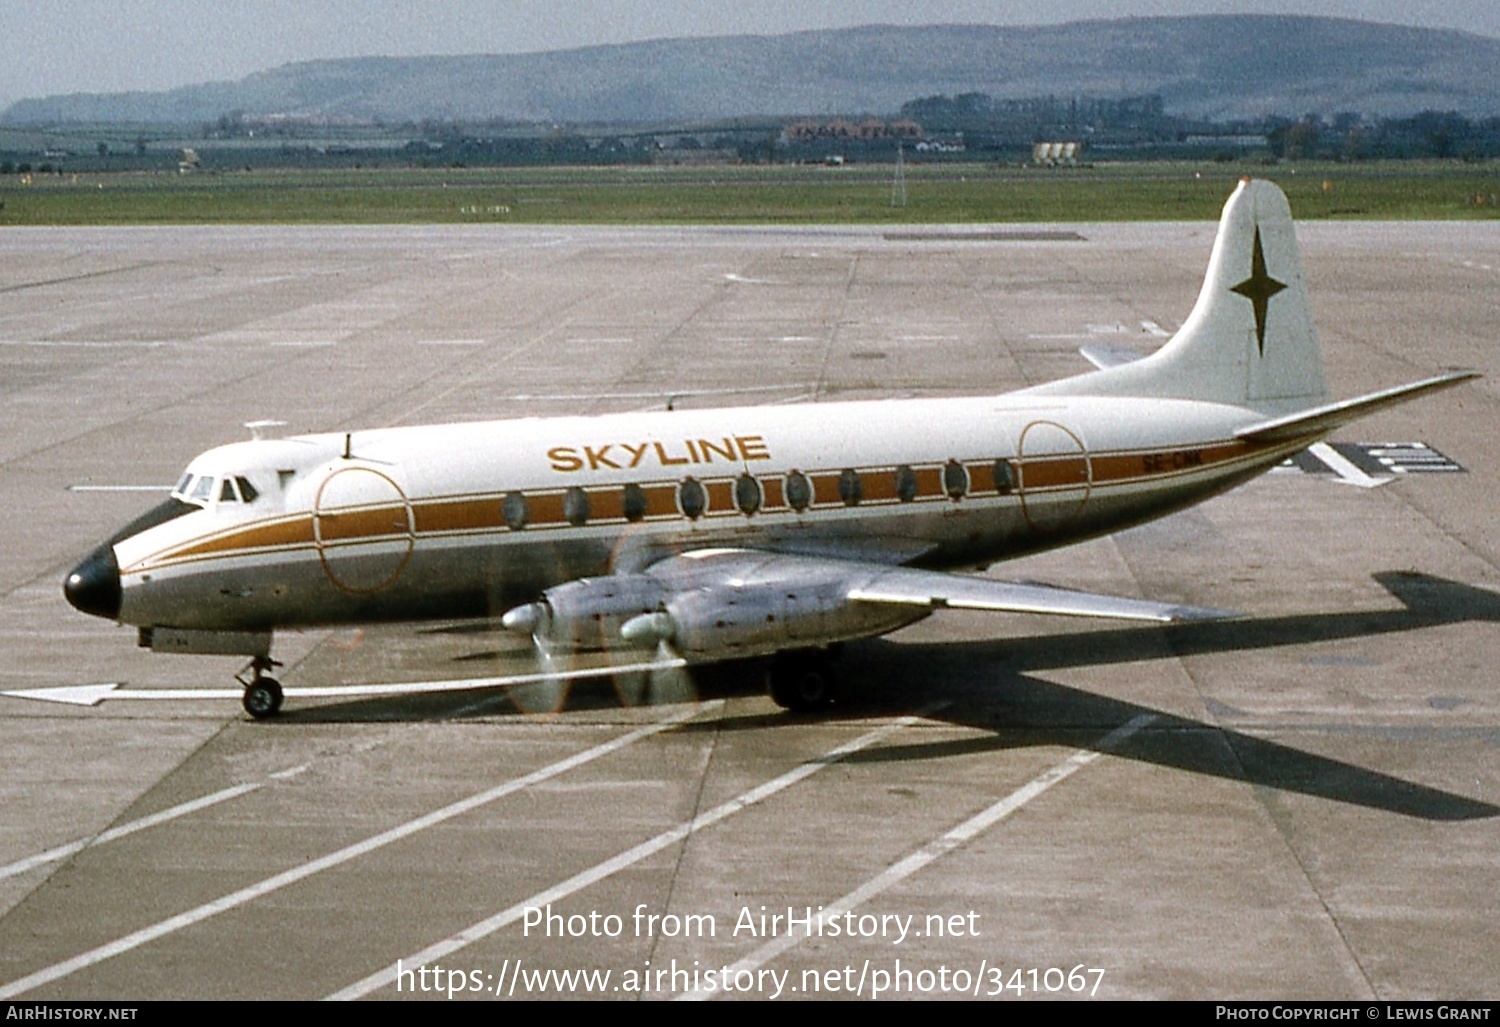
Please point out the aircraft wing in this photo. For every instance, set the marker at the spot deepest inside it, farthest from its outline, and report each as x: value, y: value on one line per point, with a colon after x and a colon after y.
x: 716, y: 603
x: 936, y: 591
x: 844, y: 597
x: 1102, y: 355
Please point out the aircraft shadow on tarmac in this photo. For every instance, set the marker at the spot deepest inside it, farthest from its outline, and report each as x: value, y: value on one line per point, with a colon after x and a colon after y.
x: 989, y: 685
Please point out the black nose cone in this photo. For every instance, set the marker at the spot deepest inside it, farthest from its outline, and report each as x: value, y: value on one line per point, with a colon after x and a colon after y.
x: 94, y: 585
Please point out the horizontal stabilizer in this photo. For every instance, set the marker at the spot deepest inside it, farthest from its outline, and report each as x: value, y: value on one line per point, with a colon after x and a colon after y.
x: 938, y: 591
x: 1321, y: 420
x: 1102, y: 356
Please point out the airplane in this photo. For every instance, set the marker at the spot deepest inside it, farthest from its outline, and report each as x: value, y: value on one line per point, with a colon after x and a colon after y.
x: 699, y: 536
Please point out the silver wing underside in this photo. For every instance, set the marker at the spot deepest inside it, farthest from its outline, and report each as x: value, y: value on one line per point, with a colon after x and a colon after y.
x: 938, y: 591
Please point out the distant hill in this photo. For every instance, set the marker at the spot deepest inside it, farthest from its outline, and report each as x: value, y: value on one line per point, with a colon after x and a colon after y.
x: 1217, y: 67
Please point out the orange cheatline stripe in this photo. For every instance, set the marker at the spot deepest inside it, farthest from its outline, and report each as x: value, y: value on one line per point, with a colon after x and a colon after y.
x: 457, y: 515
x: 720, y: 496
x: 929, y: 482
x: 982, y: 476
x: 294, y: 532
x: 879, y: 486
x: 1054, y: 472
x: 775, y: 494
x: 661, y: 501
x: 382, y: 521
x: 606, y: 503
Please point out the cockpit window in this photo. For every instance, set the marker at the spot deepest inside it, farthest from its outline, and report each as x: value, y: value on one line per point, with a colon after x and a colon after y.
x: 203, y: 488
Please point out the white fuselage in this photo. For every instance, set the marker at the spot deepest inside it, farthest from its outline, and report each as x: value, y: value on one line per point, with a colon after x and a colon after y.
x: 467, y: 520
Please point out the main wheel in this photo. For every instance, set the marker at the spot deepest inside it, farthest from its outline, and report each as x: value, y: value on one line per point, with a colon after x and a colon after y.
x: 800, y: 681
x: 262, y: 698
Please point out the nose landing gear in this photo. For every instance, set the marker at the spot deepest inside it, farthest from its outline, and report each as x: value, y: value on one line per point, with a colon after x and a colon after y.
x: 262, y: 699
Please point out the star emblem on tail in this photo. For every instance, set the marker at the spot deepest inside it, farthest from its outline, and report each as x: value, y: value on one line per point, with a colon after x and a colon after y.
x: 1258, y: 289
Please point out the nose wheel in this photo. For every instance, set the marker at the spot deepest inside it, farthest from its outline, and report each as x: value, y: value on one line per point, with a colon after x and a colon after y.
x: 262, y: 698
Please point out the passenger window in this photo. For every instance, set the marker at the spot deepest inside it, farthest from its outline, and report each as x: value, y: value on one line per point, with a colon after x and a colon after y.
x: 515, y: 510
x: 692, y: 498
x: 906, y: 484
x: 851, y: 489
x: 747, y: 494
x: 1005, y: 477
x: 576, y: 506
x: 955, y: 480
x: 798, y: 491
x: 634, y: 503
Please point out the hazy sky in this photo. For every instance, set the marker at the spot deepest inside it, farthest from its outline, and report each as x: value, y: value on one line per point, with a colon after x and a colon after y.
x: 68, y: 46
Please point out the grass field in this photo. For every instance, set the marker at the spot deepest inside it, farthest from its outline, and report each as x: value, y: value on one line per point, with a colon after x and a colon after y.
x: 936, y: 194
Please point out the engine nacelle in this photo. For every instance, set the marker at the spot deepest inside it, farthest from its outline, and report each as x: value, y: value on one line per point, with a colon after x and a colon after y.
x: 588, y: 613
x: 724, y: 623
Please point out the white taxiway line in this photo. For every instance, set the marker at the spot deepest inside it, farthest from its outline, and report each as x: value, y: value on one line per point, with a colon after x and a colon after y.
x: 333, y: 859
x: 171, y: 813
x: 93, y: 695
x: 938, y: 848
x: 598, y: 872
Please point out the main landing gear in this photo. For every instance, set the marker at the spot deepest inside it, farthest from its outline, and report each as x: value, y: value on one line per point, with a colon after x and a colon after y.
x: 802, y: 680
x: 262, y: 698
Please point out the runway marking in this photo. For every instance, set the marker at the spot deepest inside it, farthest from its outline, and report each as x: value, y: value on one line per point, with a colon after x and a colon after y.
x: 119, y: 488
x: 239, y: 898
x: 452, y: 342
x: 1343, y: 467
x: 939, y: 847
x: 1411, y: 457
x: 484, y: 928
x: 1364, y: 463
x: 167, y: 815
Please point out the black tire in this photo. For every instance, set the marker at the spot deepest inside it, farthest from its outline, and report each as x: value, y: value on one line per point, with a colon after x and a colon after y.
x: 262, y: 700
x: 801, y: 682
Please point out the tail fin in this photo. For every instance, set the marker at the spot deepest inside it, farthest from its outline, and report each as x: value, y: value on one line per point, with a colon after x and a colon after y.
x: 1249, y: 340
